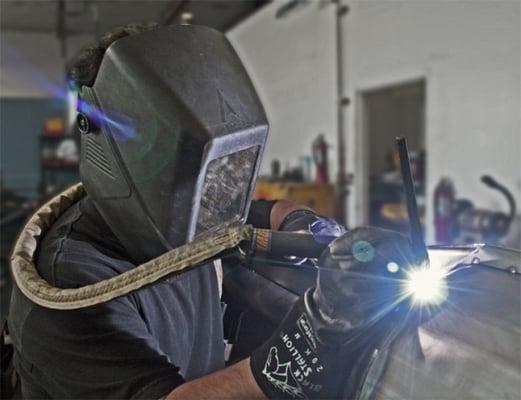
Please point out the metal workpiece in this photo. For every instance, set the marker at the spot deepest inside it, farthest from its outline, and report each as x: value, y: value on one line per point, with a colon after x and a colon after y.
x: 473, y: 254
x: 467, y: 347
x: 471, y: 347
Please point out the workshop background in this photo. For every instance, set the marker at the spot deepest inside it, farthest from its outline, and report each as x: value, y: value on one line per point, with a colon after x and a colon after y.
x: 339, y: 81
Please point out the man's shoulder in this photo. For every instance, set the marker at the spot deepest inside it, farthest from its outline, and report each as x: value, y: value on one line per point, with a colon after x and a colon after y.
x: 75, y: 252
x: 68, y: 256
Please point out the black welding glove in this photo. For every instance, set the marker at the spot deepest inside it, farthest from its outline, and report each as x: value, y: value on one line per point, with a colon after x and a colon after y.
x: 325, y: 343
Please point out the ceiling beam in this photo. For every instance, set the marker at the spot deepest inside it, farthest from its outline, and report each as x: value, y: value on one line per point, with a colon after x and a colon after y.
x: 61, y: 28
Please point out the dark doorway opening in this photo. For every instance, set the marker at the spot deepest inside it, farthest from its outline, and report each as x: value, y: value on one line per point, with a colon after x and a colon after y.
x: 390, y: 112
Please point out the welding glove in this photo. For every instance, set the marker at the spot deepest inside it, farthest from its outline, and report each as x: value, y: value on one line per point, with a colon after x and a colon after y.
x: 323, y: 229
x: 298, y: 220
x: 324, y: 345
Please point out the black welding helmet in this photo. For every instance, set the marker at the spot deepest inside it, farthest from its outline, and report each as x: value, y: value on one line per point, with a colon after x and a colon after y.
x: 172, y: 137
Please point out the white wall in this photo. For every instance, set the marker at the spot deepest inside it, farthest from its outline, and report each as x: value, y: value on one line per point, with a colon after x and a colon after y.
x: 468, y: 51
x: 289, y: 61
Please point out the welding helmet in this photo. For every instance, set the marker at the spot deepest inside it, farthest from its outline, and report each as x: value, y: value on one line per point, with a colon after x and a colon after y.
x: 172, y: 137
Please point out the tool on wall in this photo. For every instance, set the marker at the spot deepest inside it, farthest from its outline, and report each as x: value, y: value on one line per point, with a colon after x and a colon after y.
x: 320, y: 157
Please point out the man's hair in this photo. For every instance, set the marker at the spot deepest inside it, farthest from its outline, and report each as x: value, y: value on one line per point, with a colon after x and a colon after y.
x: 83, y: 68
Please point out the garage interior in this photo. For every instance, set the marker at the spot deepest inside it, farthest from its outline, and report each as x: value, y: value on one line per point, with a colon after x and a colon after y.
x: 339, y: 81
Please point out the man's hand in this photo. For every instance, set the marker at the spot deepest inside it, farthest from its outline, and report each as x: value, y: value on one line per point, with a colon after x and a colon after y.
x: 323, y: 346
x: 360, y: 277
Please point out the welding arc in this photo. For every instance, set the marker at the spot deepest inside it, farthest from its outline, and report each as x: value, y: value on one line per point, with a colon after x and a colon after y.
x: 418, y: 245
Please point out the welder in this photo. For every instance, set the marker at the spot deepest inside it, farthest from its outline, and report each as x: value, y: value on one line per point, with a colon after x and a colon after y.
x: 172, y: 137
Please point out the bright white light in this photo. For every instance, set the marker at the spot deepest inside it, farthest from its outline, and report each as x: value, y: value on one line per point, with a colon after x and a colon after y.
x: 426, y: 285
x: 393, y: 267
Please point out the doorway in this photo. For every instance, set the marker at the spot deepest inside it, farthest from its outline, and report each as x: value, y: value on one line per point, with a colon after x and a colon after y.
x: 397, y: 110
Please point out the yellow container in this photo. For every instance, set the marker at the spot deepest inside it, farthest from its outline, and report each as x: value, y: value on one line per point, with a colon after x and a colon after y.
x: 319, y: 197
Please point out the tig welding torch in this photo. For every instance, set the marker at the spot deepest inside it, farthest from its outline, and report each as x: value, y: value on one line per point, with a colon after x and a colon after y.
x: 416, y: 234
x: 282, y: 244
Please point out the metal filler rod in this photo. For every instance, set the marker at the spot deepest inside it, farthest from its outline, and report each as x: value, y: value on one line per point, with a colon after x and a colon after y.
x: 416, y: 232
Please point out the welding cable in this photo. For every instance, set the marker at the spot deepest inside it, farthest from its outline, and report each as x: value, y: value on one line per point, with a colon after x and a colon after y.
x: 185, y: 257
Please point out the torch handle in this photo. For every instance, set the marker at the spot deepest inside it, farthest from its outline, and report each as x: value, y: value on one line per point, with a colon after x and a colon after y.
x: 280, y: 244
x: 416, y: 232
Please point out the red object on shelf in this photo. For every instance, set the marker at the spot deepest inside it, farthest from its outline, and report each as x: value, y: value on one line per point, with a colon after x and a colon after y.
x: 319, y: 151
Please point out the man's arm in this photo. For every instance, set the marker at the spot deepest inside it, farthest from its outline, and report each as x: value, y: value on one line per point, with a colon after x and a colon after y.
x: 234, y: 382
x: 271, y: 214
x: 283, y: 208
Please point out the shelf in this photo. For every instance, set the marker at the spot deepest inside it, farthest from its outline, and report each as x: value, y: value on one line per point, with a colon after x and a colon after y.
x: 60, y: 164
x: 55, y: 137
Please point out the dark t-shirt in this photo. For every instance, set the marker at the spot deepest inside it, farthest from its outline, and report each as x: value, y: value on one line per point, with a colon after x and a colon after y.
x: 142, y: 345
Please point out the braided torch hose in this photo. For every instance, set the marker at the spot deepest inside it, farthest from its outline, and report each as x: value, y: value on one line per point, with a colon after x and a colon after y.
x: 42, y: 293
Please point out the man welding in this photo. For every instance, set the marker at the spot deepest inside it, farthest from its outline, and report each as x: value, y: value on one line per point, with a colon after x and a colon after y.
x: 172, y: 138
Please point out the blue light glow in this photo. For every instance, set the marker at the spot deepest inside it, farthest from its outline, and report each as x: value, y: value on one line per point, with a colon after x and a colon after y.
x: 120, y: 126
